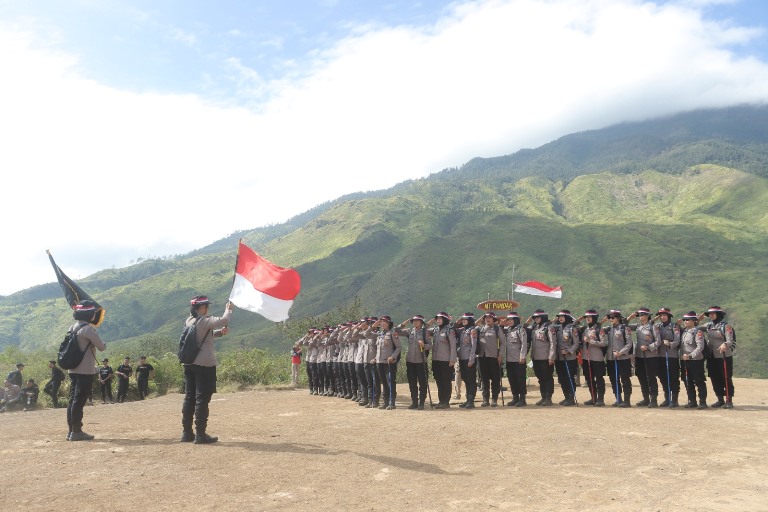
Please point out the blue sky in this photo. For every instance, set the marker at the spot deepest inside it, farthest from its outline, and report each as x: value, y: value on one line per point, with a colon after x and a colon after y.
x: 266, y: 109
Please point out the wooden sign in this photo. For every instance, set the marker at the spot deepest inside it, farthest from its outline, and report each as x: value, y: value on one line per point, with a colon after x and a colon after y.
x: 498, y: 305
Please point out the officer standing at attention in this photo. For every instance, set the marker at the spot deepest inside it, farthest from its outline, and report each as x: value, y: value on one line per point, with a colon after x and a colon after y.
x: 105, y: 379
x: 123, y: 372
x: 143, y: 373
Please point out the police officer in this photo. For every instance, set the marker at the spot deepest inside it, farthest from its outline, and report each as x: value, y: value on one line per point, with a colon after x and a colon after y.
x: 646, y: 357
x: 443, y: 357
x: 514, y: 355
x: 693, y: 344
x: 416, y: 359
x: 466, y: 336
x: 668, y: 333
x: 200, y: 376
x: 544, y: 345
x: 81, y: 377
x: 387, y: 351
x: 618, y: 343
x: 568, y: 342
x: 721, y: 341
x: 369, y: 330
x: 593, y: 357
x: 490, y: 344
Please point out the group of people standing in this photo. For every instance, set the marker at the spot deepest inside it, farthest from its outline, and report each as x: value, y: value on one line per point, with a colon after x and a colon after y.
x: 106, y: 375
x: 358, y: 360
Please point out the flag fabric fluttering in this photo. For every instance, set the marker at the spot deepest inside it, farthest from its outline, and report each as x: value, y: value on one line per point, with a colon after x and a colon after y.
x: 537, y: 288
x: 262, y: 287
x: 72, y: 292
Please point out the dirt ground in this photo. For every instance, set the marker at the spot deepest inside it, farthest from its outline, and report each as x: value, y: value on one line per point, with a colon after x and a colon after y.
x: 287, y: 450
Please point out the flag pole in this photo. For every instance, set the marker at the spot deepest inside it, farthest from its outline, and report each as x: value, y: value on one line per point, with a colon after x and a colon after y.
x: 237, y: 259
x: 513, y: 282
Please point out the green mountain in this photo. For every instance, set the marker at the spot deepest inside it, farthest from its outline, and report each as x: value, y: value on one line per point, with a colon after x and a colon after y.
x: 668, y: 212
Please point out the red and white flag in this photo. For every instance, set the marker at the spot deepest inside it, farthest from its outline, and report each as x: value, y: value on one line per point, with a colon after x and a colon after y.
x: 537, y: 288
x: 263, y: 287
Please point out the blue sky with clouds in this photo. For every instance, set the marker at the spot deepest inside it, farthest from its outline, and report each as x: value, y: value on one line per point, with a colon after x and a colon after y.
x: 269, y: 108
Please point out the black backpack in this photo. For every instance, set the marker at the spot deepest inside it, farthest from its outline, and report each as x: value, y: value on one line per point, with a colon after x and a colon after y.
x: 188, y: 347
x: 70, y: 356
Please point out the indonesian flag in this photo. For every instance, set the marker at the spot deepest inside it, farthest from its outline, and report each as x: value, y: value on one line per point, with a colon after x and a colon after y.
x: 263, y: 287
x: 537, y: 288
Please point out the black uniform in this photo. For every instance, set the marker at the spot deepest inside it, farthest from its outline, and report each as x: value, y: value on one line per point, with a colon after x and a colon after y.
x: 142, y: 376
x: 52, y: 386
x: 105, y: 379
x: 16, y: 378
x: 122, y: 382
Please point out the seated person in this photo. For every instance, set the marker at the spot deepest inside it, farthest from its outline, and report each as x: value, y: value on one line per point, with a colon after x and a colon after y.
x: 11, y: 396
x: 30, y: 392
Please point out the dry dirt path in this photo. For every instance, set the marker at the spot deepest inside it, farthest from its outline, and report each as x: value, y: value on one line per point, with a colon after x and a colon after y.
x: 287, y: 450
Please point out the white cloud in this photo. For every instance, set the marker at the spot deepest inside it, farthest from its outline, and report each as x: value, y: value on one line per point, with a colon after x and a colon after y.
x: 106, y: 176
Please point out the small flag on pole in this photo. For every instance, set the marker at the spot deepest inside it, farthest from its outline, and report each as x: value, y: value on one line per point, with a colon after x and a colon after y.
x: 537, y: 288
x: 263, y: 287
x: 72, y: 292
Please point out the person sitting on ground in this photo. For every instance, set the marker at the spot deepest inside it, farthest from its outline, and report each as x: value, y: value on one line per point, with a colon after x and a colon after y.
x: 11, y: 397
x: 29, y: 393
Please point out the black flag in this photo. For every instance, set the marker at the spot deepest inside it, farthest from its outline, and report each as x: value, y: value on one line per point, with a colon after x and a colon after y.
x: 74, y: 293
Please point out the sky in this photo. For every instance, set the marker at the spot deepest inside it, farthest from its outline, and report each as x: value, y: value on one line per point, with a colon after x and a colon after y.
x: 145, y: 129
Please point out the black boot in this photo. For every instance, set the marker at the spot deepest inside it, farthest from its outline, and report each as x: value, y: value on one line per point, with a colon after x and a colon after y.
x: 547, y: 401
x: 652, y: 403
x: 626, y: 403
x: 674, y: 401
x: 414, y: 405
x: 644, y: 402
x: 187, y: 437
x: 691, y: 404
x: 521, y: 402
x: 702, y: 405
x: 729, y: 403
x: 543, y: 398
x: 515, y: 399
x: 720, y: 402
x: 203, y: 438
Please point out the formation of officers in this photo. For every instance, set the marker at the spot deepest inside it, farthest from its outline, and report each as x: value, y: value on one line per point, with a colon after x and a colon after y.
x: 358, y: 360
